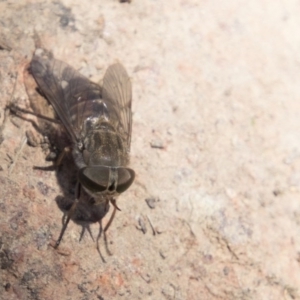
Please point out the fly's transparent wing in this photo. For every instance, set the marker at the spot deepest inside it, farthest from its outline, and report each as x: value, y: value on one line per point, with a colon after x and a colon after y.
x: 116, y: 92
x: 73, y: 96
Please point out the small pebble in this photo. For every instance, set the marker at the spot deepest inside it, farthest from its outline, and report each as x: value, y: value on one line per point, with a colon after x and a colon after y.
x: 151, y: 202
x: 158, y: 144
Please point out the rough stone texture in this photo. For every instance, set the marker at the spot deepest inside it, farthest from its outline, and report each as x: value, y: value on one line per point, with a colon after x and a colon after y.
x: 216, y: 85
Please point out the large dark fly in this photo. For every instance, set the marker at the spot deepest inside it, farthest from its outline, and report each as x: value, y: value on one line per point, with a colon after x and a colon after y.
x: 98, y: 121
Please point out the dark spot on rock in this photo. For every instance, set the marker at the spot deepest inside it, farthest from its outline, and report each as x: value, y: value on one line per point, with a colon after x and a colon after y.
x: 2, y: 207
x: 64, y: 21
x: 141, y: 225
x: 5, y: 260
x: 28, y: 276
x: 226, y: 271
x: 151, y: 202
x: 276, y: 193
x: 43, y: 188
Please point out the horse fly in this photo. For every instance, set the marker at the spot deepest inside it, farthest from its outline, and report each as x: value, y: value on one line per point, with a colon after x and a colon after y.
x: 98, y: 121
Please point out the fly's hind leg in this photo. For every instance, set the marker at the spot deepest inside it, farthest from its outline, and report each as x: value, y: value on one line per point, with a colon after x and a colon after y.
x: 69, y: 215
x: 57, y: 163
x: 62, y: 156
x: 18, y: 111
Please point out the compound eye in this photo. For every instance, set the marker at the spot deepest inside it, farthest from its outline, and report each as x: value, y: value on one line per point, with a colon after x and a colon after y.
x: 101, y: 178
x: 125, y: 179
x: 94, y: 179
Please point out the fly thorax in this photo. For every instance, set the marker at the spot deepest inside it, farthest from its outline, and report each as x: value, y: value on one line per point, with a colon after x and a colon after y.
x: 104, y: 147
x: 93, y: 123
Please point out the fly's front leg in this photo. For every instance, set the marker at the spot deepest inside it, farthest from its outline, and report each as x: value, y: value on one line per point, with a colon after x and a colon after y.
x: 113, y: 202
x: 70, y: 214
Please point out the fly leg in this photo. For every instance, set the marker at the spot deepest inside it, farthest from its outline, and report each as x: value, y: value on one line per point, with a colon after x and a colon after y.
x: 18, y: 111
x: 99, y: 235
x: 69, y: 215
x: 61, y: 156
x: 101, y: 230
x: 113, y: 202
x: 57, y: 163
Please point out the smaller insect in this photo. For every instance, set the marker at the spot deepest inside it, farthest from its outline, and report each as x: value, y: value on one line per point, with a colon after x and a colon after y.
x: 98, y: 121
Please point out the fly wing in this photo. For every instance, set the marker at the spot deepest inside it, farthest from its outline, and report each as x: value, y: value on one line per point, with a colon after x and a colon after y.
x: 72, y: 95
x: 116, y: 93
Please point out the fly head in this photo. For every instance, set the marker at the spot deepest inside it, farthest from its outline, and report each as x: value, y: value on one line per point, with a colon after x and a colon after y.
x: 99, y: 180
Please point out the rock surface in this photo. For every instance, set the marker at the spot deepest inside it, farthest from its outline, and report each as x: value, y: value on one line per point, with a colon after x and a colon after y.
x: 216, y: 86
